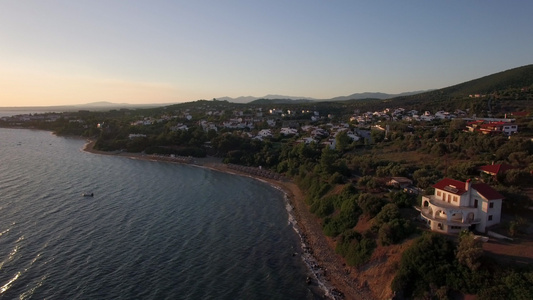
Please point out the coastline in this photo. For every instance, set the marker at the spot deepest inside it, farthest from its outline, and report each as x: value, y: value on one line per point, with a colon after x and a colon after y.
x: 329, y: 269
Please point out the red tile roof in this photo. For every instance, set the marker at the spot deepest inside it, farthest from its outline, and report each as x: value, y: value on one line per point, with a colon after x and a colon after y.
x: 451, y: 185
x: 487, y: 191
x: 520, y: 113
x: 458, y: 188
x: 496, y: 169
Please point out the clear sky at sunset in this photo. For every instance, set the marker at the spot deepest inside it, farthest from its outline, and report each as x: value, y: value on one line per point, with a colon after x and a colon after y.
x: 70, y: 52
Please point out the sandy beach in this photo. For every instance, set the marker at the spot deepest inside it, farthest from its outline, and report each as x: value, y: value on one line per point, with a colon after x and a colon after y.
x: 329, y: 269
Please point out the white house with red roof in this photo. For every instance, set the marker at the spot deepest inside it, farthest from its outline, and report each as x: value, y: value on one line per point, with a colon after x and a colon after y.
x: 499, y: 127
x: 458, y: 205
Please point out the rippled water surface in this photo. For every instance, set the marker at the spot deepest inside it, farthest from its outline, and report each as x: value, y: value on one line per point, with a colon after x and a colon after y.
x: 152, y: 230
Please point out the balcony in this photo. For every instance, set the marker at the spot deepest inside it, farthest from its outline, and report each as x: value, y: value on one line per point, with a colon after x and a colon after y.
x: 454, y: 220
x: 439, y: 211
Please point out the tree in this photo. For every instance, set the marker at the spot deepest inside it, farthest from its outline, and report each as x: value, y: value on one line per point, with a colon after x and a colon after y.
x: 377, y: 136
x: 426, y: 176
x: 518, y: 177
x: 457, y: 125
x: 388, y: 213
x: 327, y: 160
x: 469, y: 251
x: 342, y: 141
x: 370, y: 204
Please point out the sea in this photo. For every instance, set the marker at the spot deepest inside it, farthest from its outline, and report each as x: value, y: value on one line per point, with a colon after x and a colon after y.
x: 8, y: 112
x: 152, y: 230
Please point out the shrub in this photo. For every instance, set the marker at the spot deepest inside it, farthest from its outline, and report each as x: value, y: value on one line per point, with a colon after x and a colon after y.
x: 355, y: 248
x: 402, y: 199
x: 370, y: 204
x: 346, y: 218
x: 323, y: 207
x: 394, y: 231
x: 388, y: 213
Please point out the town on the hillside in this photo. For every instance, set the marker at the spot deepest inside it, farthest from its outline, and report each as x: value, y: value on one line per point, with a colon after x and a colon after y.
x: 377, y: 179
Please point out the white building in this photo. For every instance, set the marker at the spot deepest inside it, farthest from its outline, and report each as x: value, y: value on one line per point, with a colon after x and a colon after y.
x: 265, y: 133
x: 458, y: 205
x: 179, y: 127
x: 288, y: 131
x: 132, y: 136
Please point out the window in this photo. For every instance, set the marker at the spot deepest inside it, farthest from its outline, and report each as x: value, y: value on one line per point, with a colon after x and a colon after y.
x: 438, y: 193
x: 491, y: 205
x: 475, y: 203
x: 490, y: 218
x: 454, y: 198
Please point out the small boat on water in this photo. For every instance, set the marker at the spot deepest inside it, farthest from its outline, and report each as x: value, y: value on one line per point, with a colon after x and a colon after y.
x: 88, y: 194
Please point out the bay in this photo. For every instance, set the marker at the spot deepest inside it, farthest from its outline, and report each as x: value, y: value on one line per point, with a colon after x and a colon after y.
x: 153, y: 230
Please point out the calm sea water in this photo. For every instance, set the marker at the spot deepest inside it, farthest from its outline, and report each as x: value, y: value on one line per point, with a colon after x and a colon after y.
x: 152, y: 230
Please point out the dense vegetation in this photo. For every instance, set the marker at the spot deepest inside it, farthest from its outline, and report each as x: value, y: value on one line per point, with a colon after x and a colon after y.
x: 435, y: 266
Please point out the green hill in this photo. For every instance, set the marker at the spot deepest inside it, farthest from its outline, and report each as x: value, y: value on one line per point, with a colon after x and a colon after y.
x: 514, y: 78
x: 513, y: 84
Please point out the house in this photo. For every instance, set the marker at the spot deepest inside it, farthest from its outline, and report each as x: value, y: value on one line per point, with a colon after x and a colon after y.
x: 288, y: 131
x: 132, y: 136
x: 442, y: 115
x: 495, y: 170
x: 458, y: 205
x: 400, y: 182
x: 264, y: 133
x: 427, y: 116
x: 307, y: 140
x: 331, y: 143
x: 181, y: 127
x: 499, y: 127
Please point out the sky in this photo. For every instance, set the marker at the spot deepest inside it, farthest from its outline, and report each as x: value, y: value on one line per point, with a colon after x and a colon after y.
x: 59, y: 52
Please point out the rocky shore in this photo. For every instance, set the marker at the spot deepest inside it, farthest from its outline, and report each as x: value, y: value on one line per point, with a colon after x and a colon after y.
x: 328, y: 269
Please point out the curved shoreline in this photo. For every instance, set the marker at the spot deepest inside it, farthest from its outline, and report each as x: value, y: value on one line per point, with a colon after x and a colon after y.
x: 329, y: 270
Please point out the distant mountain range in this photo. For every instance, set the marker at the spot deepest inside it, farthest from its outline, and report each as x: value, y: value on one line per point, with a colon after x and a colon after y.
x: 521, y: 77
x: 248, y: 99
x: 377, y: 95
x: 356, y: 96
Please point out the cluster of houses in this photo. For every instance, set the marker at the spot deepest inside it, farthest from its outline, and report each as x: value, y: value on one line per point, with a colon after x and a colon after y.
x: 401, y: 114
x: 315, y: 134
x: 150, y: 121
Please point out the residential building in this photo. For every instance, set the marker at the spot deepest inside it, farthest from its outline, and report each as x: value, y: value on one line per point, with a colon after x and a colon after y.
x: 499, y: 127
x: 458, y: 205
x: 264, y: 133
x: 495, y: 170
x: 132, y: 136
x: 400, y: 182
